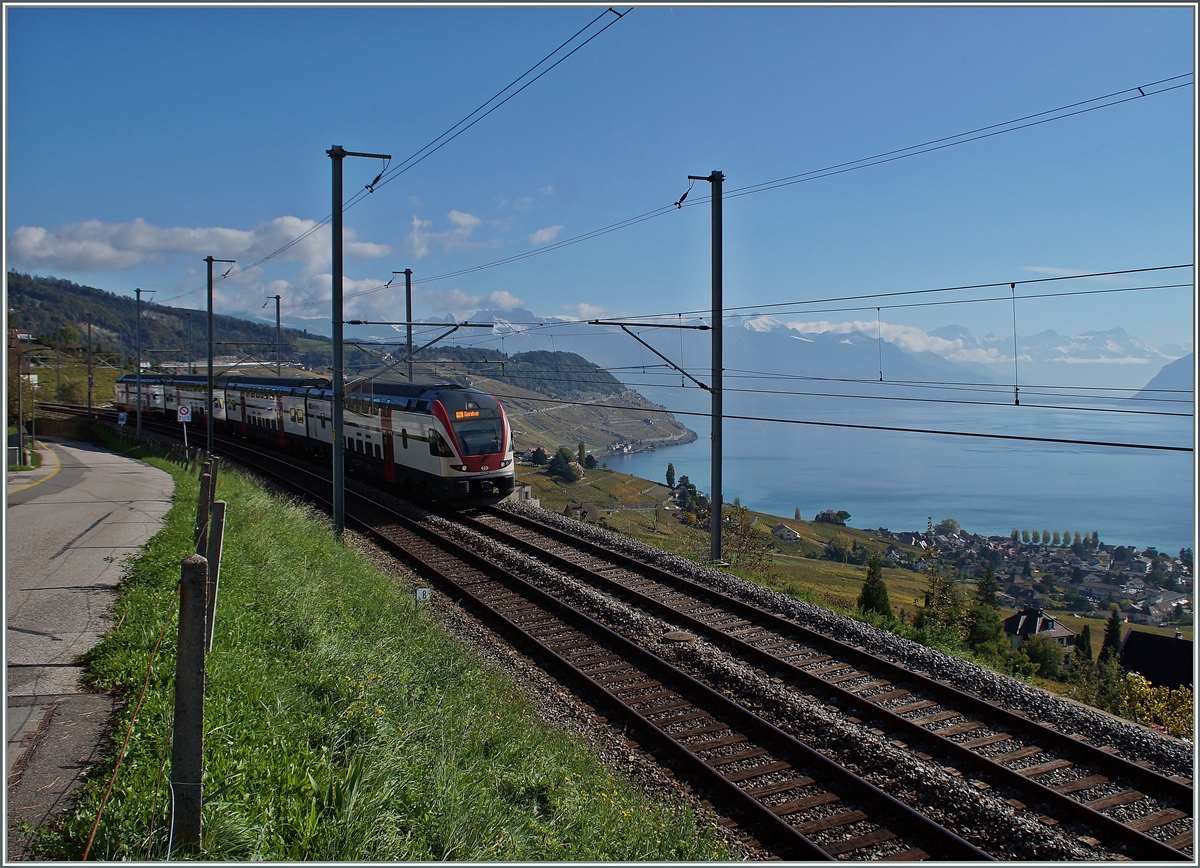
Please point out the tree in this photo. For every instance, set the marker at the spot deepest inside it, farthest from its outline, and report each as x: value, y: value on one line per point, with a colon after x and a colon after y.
x: 1083, y: 646
x: 1016, y: 535
x: 947, y: 527
x: 830, y: 517
x: 1025, y: 536
x: 985, y: 629
x: 874, y: 594
x: 1037, y: 537
x: 590, y: 462
x: 943, y: 609
x: 1112, y: 636
x: 539, y: 457
x: 743, y: 543
x: 582, y: 453
x: 840, y: 548
x: 1045, y: 537
x: 670, y: 475
x: 1046, y: 653
x: 1057, y: 538
x: 1027, y: 570
x: 1185, y: 557
x: 1078, y: 538
x: 987, y: 588
x: 563, y: 466
x: 798, y: 519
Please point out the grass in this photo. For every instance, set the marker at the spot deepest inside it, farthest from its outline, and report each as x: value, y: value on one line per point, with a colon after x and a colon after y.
x: 342, y: 722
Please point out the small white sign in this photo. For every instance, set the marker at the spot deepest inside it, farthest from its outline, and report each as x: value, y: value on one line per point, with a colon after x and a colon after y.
x: 185, y: 413
x: 424, y: 595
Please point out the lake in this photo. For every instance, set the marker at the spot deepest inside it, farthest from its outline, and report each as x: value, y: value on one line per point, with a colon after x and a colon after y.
x: 901, y: 480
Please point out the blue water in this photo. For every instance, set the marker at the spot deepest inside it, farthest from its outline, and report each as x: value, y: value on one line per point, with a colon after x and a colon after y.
x: 900, y: 480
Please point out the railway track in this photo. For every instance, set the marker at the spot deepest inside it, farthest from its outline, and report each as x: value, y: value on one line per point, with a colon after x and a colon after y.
x: 796, y: 800
x: 1073, y: 779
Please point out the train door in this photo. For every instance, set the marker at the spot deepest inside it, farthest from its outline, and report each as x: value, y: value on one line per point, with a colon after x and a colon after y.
x: 385, y: 426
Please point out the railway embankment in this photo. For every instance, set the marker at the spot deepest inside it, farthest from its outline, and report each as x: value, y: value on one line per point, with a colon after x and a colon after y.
x: 342, y: 721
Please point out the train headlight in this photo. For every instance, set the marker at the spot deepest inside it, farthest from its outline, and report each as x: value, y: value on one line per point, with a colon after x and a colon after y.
x: 505, y: 463
x: 461, y: 467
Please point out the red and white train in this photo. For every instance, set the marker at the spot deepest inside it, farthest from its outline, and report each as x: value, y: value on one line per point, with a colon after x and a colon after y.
x: 444, y: 442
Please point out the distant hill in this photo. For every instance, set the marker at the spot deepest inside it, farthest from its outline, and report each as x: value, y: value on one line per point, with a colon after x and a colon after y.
x: 43, y: 306
x: 1179, y: 375
x: 596, y: 407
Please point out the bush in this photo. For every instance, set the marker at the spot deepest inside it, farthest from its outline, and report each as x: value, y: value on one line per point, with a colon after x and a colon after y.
x: 1046, y: 653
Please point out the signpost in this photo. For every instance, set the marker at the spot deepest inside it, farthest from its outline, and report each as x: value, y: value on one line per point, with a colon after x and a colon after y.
x: 184, y: 415
x: 122, y: 418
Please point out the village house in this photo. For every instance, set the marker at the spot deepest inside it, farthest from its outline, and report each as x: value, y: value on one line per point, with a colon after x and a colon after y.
x: 1162, y: 660
x: 785, y: 533
x: 588, y: 512
x: 1034, y: 621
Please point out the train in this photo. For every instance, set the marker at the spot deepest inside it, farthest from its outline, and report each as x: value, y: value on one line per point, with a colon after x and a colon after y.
x: 444, y: 442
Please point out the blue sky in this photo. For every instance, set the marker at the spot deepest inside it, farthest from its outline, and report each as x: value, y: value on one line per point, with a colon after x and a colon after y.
x: 140, y: 140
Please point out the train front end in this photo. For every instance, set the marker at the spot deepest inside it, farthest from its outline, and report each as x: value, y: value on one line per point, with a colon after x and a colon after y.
x: 481, y: 467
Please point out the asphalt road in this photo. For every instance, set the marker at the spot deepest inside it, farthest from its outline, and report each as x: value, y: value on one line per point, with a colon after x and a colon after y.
x: 69, y: 526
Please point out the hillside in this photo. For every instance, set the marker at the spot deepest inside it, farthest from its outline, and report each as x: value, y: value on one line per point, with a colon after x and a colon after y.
x: 557, y: 399
x: 553, y: 398
x: 46, y: 306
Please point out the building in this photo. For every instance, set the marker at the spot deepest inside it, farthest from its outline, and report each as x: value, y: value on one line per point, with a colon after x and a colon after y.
x: 1164, y: 661
x: 1033, y: 621
x: 588, y: 512
x: 785, y: 533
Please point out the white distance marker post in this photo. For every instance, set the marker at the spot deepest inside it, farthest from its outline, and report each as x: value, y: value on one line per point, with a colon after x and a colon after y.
x: 185, y: 416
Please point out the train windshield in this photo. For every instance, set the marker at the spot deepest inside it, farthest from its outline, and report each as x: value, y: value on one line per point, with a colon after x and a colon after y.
x: 480, y: 436
x: 477, y: 421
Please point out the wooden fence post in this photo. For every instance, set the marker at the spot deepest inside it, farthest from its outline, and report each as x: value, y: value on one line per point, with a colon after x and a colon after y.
x: 187, y: 742
x: 216, y: 538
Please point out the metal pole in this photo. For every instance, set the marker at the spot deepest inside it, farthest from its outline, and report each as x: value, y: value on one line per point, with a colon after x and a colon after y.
x: 32, y: 394
x: 337, y: 154
x: 58, y: 368
x: 408, y: 316
x: 20, y: 407
x: 717, y: 364
x: 208, y: 406
x: 138, y: 364
x: 189, y: 343
x: 90, y: 381
x: 208, y: 414
x: 278, y: 343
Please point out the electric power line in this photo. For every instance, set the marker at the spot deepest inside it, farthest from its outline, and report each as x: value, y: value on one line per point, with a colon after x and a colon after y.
x: 892, y: 428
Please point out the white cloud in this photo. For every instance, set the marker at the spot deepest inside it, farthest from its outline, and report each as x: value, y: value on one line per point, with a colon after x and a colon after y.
x: 545, y: 236
x: 547, y: 190
x: 419, y: 240
x: 93, y: 246
x: 503, y: 300
x: 583, y: 310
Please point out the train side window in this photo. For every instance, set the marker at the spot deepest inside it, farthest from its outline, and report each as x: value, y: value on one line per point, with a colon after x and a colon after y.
x: 378, y: 451
x: 404, y: 437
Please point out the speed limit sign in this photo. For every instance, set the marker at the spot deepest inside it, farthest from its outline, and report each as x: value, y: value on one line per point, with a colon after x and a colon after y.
x: 185, y: 413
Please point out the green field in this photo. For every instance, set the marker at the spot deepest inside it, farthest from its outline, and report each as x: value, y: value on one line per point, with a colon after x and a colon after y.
x: 342, y: 721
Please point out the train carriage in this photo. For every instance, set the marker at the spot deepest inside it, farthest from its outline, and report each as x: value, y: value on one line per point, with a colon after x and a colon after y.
x: 446, y: 442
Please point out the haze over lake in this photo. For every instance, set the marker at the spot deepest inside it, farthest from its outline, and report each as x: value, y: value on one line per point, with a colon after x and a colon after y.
x: 899, y: 480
